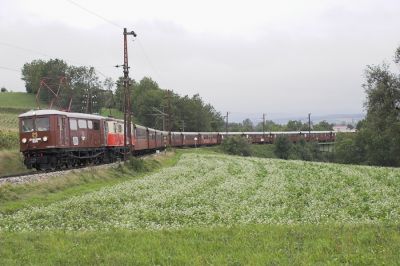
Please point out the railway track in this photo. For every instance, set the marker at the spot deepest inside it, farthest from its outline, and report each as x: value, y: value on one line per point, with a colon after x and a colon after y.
x: 43, y: 175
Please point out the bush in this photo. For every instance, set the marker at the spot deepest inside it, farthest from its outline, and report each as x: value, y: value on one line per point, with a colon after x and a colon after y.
x: 8, y: 139
x: 141, y: 166
x: 282, y: 147
x: 236, y: 145
x: 349, y: 148
x: 301, y: 151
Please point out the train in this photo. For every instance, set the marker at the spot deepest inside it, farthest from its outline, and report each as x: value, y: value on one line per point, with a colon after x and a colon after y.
x: 53, y: 139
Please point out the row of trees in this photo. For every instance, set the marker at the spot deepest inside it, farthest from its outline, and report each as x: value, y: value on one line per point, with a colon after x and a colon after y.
x: 292, y: 125
x: 81, y: 83
x: 378, y: 139
x: 158, y: 108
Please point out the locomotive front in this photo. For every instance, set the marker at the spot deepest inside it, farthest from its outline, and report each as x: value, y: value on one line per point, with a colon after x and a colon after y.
x: 36, y: 137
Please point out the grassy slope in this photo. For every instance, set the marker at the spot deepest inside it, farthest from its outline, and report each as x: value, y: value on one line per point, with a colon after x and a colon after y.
x: 11, y: 162
x: 244, y: 245
x: 17, y: 100
x: 11, y: 105
x: 302, y: 243
x: 16, y: 197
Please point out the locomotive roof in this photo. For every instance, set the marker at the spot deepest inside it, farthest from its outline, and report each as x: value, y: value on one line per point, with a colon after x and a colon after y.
x: 56, y: 112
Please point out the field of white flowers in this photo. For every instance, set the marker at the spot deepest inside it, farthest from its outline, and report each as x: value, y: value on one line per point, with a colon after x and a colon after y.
x: 215, y: 190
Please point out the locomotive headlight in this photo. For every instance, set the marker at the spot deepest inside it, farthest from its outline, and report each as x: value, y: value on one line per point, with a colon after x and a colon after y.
x: 45, y: 138
x: 24, y: 140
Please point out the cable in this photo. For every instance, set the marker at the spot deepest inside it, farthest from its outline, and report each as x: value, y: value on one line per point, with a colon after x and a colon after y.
x: 22, y: 48
x: 148, y: 60
x: 120, y: 27
x: 10, y: 69
x: 95, y: 14
x: 46, y: 55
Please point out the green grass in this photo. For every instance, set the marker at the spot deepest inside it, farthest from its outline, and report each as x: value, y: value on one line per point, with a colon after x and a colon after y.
x: 263, y: 150
x: 201, y: 208
x: 9, y: 121
x: 16, y: 197
x: 238, y: 245
x: 17, y: 100
x: 11, y: 105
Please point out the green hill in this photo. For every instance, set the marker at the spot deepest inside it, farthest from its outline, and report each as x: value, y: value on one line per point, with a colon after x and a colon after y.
x: 11, y: 105
x: 17, y: 100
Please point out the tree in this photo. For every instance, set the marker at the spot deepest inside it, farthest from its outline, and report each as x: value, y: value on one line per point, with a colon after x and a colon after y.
x: 295, y: 125
x: 82, y: 84
x: 377, y: 140
x: 269, y: 126
x: 323, y: 125
x: 349, y: 148
x: 236, y: 145
x: 3, y: 89
x: 397, y: 56
x: 382, y: 125
x: 282, y: 147
x: 148, y: 99
x: 109, y: 102
x: 247, y: 125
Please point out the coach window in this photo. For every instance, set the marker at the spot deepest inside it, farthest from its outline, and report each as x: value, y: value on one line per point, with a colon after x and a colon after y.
x: 90, y: 124
x: 82, y: 123
x: 27, y: 125
x: 119, y: 128
x: 73, y: 125
x: 96, y: 125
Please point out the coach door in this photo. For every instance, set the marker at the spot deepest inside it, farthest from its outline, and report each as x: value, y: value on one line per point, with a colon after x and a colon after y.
x: 62, y: 127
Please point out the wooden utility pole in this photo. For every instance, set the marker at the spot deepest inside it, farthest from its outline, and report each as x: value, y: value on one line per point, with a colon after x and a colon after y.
x: 127, y: 98
x: 263, y: 127
x: 169, y: 110
x: 309, y: 126
x: 226, y: 123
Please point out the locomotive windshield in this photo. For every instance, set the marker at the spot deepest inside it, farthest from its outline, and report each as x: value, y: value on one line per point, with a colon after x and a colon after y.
x: 42, y: 123
x: 38, y: 124
x: 27, y: 125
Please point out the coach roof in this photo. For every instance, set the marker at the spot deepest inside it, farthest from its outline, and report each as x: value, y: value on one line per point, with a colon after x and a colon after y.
x: 56, y: 112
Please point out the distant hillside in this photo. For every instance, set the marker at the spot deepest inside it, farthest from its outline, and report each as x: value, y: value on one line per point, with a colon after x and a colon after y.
x: 283, y: 119
x: 11, y: 105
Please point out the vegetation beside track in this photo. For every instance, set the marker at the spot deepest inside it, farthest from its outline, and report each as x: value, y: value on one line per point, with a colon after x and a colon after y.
x: 81, y: 181
x: 11, y: 162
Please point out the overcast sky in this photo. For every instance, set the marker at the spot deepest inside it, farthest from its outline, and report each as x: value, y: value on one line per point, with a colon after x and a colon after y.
x: 247, y: 57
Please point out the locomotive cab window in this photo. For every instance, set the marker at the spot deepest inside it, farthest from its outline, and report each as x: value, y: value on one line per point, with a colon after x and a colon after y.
x: 90, y: 124
x: 82, y: 123
x: 73, y: 125
x: 42, y: 124
x: 27, y: 125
